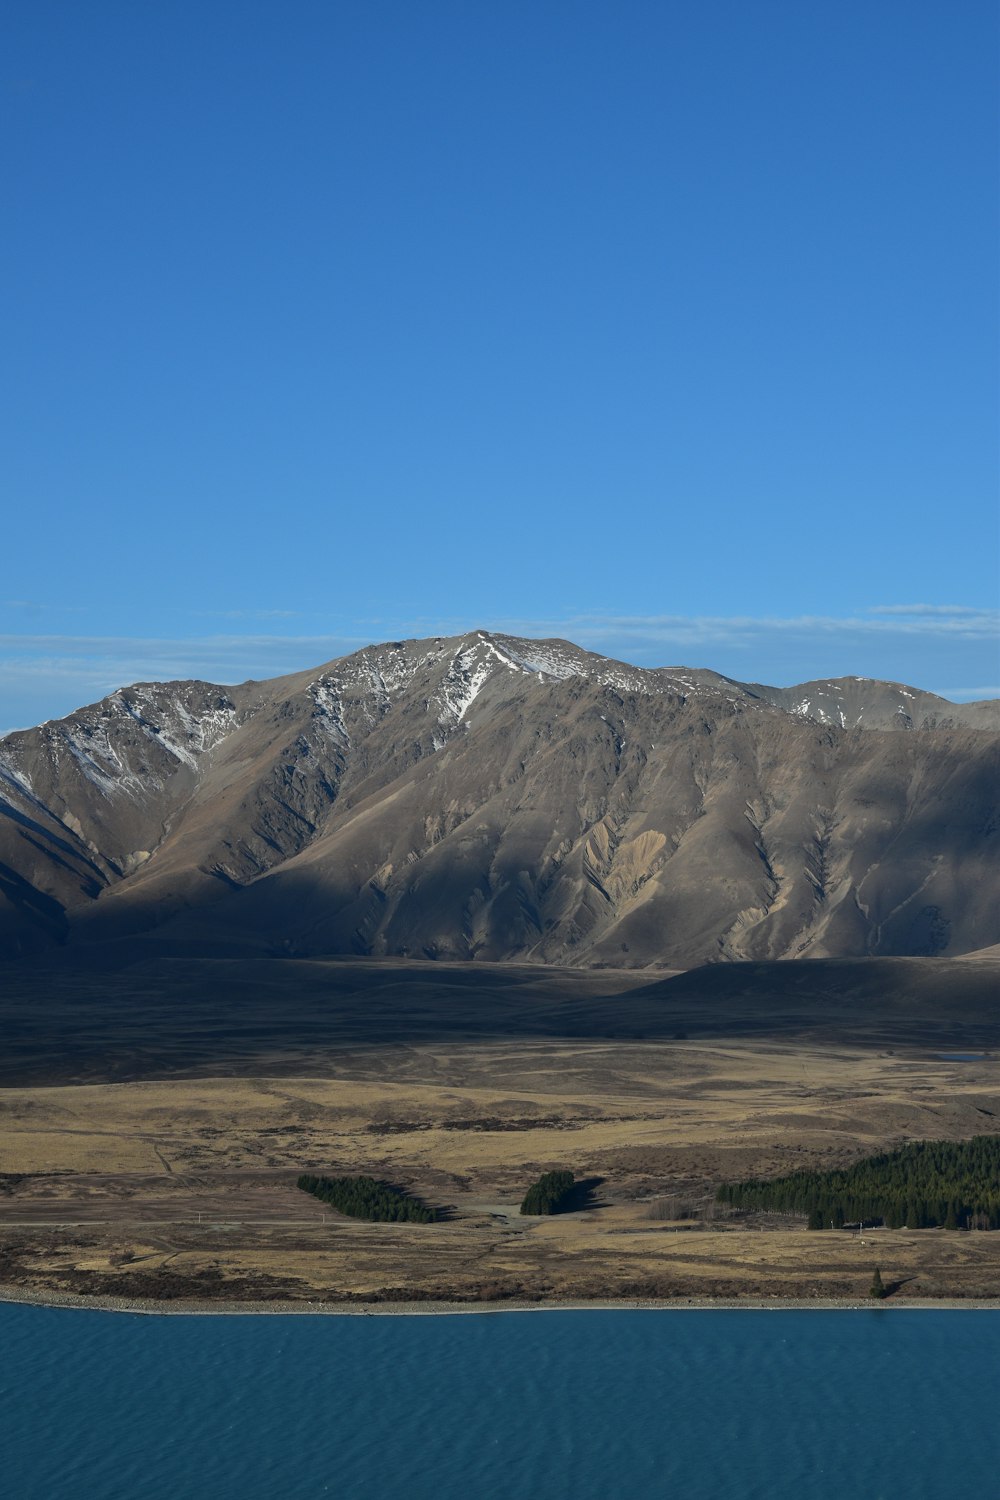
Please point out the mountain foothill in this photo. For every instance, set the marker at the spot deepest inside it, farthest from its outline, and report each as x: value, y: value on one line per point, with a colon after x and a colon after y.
x: 488, y: 798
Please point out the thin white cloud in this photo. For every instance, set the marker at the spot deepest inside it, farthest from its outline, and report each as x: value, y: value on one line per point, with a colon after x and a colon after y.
x: 43, y: 675
x: 214, y: 647
x: 975, y: 624
x: 225, y: 652
x: 927, y: 609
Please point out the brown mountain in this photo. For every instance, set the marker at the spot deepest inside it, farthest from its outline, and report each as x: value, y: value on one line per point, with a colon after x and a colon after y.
x: 494, y: 798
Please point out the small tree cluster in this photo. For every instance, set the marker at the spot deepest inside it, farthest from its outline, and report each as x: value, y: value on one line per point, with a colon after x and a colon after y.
x: 954, y: 1184
x: 367, y: 1198
x: 549, y: 1194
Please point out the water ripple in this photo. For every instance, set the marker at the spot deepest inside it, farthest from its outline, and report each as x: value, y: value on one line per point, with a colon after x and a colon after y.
x: 728, y: 1405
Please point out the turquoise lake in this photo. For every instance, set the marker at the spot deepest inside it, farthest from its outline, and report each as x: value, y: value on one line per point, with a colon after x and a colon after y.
x: 562, y: 1405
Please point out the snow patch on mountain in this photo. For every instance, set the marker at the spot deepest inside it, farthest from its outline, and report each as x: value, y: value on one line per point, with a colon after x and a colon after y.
x: 546, y: 658
x: 469, y: 672
x: 385, y: 670
x: 194, y: 734
x: 16, y: 778
x: 329, y: 709
x: 15, y: 787
x: 103, y: 745
x: 98, y: 760
x: 185, y: 732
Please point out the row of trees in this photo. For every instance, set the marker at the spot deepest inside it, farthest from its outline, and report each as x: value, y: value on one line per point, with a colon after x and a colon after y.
x: 367, y: 1198
x: 550, y: 1194
x: 954, y: 1184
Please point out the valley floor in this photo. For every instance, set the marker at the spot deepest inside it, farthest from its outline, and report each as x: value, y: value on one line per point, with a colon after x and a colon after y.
x: 182, y: 1190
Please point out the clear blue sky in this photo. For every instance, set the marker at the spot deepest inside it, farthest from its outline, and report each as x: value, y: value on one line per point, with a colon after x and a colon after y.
x: 670, y: 328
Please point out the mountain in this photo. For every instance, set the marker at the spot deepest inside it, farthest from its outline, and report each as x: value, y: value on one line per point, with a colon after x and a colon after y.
x: 489, y: 797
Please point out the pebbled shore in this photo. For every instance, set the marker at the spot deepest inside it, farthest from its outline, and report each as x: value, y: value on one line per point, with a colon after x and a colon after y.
x: 189, y: 1307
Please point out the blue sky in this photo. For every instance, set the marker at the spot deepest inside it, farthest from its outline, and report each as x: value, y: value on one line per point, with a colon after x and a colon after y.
x: 671, y: 329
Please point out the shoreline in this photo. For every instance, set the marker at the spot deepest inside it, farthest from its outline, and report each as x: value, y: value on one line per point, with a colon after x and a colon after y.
x: 192, y: 1307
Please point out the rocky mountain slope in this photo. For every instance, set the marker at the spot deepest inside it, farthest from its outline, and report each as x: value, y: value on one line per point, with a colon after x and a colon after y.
x: 495, y: 798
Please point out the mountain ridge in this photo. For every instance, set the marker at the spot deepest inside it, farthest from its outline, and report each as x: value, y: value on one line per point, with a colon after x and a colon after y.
x: 488, y: 795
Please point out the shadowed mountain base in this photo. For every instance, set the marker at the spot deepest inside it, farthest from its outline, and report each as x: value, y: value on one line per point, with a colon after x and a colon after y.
x: 151, y: 1016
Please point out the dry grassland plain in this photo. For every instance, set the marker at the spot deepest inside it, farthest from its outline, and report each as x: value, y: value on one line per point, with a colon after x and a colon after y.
x: 174, y: 1188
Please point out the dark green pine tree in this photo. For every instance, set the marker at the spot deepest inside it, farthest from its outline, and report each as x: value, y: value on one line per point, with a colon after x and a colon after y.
x: 816, y: 1220
x: 922, y: 1185
x: 877, y: 1287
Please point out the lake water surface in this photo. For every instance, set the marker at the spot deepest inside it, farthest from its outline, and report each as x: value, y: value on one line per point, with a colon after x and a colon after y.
x: 721, y: 1405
